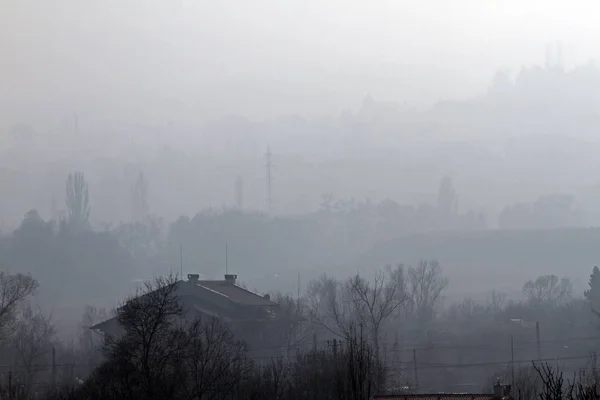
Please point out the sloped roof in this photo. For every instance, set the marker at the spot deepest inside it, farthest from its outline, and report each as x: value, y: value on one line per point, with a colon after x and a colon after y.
x: 228, y: 291
x: 236, y: 293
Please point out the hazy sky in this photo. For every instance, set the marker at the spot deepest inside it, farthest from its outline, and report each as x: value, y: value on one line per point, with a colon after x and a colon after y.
x: 186, y: 60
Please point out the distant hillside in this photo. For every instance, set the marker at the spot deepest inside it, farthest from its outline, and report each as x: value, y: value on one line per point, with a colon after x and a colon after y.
x: 477, y: 262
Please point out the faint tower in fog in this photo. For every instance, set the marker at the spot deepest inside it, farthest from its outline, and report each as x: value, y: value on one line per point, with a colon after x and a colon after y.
x: 447, y: 201
x: 269, y: 178
x: 554, y: 56
x: 239, y: 192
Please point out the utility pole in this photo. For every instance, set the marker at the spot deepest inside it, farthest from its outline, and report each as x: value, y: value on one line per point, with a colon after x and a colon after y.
x: 537, y: 340
x: 416, y: 371
x: 53, y: 368
x: 512, y: 361
x: 298, y: 297
x: 269, y: 177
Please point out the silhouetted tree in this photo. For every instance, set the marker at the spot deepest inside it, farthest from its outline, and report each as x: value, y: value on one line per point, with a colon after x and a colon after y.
x: 548, y: 291
x: 148, y: 355
x: 164, y: 352
x: 360, y: 375
x: 425, y: 284
x: 447, y: 201
x: 14, y: 289
x: 337, y: 306
x: 374, y: 302
x: 77, y: 201
x: 214, y: 361
x: 32, y: 340
x: 592, y: 295
x: 292, y: 313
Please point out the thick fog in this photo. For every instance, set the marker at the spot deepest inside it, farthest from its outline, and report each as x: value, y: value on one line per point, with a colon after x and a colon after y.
x: 150, y: 62
x: 142, y: 138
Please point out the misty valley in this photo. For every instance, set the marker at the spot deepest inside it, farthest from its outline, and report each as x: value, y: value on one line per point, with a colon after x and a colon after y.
x: 299, y: 200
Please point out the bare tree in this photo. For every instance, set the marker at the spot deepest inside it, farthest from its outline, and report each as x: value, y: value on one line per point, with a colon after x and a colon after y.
x: 161, y: 354
x: 548, y: 291
x: 336, y: 306
x: 527, y: 382
x: 32, y: 340
x: 291, y: 313
x: 466, y: 311
x: 151, y: 350
x: 91, y: 316
x: 374, y: 302
x: 351, y: 372
x: 360, y: 375
x: 554, y: 386
x: 329, y: 307
x: 214, y: 360
x: 14, y: 290
x: 497, y: 302
x: 77, y: 201
x: 425, y: 284
x: 592, y: 294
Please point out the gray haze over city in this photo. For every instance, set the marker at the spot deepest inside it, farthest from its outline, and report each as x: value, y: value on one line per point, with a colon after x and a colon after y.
x: 284, y: 140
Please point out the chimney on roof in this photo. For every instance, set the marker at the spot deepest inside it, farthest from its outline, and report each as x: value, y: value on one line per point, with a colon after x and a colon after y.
x: 498, y: 389
x: 230, y: 279
x: 193, y: 278
x: 501, y: 391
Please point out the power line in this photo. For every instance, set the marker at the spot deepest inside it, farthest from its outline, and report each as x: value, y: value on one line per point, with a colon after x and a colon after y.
x: 492, y: 363
x: 47, y: 367
x: 434, y: 346
x: 422, y: 365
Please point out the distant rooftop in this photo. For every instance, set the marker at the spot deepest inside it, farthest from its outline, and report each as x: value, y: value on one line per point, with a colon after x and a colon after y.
x: 224, y: 289
x: 236, y: 293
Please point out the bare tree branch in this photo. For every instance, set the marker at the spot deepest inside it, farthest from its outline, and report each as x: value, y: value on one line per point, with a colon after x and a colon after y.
x: 14, y: 289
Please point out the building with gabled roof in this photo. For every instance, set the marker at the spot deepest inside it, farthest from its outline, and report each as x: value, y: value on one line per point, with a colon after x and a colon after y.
x: 249, y: 315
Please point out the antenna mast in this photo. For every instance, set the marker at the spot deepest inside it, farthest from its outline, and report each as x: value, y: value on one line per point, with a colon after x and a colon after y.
x: 226, y: 272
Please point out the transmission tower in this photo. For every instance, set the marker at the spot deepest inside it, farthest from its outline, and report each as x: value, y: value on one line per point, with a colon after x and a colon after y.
x: 268, y: 168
